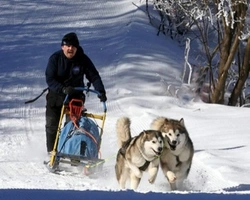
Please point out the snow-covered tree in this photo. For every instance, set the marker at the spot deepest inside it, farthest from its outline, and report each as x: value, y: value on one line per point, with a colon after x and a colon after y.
x: 221, y: 30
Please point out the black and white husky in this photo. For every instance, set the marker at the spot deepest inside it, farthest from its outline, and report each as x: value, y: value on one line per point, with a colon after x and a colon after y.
x: 177, y: 155
x: 136, y: 154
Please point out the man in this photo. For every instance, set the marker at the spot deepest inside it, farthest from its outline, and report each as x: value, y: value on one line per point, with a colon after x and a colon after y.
x: 65, y: 70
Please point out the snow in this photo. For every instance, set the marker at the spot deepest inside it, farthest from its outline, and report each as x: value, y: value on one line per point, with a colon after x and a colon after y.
x: 136, y: 66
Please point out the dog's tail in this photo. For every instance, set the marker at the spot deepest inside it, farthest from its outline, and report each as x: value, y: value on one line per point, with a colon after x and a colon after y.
x: 123, y: 130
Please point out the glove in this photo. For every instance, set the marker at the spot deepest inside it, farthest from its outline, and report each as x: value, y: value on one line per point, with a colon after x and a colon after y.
x: 68, y: 90
x: 102, y: 97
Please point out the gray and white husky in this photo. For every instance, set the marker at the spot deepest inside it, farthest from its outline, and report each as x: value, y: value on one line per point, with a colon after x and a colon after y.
x: 136, y: 154
x: 177, y: 155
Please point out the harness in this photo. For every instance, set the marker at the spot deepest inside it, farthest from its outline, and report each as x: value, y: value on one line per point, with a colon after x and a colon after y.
x: 178, y: 161
x: 145, y: 166
x: 122, y: 151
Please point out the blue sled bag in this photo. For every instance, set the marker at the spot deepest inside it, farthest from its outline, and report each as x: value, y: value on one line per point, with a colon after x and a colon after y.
x: 81, y: 140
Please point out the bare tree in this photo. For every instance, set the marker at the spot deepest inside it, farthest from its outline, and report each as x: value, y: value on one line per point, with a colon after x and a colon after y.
x: 232, y: 24
x: 218, y: 26
x: 243, y: 75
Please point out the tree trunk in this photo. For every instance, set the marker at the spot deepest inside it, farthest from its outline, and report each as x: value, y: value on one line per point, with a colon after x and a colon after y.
x: 229, y: 46
x: 242, y: 76
x: 218, y: 92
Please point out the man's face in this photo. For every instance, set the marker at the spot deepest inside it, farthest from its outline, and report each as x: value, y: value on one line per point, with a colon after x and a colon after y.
x: 69, y: 51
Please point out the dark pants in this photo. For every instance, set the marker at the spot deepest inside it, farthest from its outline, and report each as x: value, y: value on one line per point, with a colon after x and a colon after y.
x: 53, y: 113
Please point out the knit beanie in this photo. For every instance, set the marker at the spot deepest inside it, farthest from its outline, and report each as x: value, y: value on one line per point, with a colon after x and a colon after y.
x: 70, y: 39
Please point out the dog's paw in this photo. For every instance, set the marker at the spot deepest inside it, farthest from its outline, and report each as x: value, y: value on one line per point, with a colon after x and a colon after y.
x: 171, y: 177
x: 151, y: 180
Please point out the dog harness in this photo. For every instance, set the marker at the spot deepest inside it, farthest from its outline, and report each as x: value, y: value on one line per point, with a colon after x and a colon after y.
x: 122, y: 151
x: 178, y: 161
x: 145, y: 166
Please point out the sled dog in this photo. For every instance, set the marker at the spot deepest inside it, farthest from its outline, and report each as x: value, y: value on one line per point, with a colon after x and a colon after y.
x: 136, y: 154
x: 177, y: 155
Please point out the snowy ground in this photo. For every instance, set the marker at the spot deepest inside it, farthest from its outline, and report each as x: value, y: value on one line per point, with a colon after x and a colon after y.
x: 136, y: 65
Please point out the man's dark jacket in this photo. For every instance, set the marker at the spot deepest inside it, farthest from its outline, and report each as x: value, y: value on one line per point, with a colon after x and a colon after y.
x: 62, y: 72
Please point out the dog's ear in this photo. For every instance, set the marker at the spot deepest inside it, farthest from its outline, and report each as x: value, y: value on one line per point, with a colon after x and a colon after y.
x: 144, y: 133
x: 166, y: 120
x: 160, y: 134
x: 182, y: 122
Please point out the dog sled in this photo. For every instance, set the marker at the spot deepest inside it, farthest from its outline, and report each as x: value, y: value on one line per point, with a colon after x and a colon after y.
x: 78, y: 139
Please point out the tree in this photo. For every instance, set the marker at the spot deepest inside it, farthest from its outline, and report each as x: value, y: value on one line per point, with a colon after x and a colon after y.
x: 218, y: 26
x: 232, y: 25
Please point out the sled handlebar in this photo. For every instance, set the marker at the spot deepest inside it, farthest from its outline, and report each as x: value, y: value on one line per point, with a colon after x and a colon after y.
x: 87, y: 89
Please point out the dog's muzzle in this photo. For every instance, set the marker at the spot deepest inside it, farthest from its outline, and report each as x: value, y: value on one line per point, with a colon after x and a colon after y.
x: 172, y: 145
x: 158, y: 152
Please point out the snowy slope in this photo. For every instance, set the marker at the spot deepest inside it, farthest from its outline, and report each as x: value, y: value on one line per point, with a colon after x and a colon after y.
x: 136, y: 66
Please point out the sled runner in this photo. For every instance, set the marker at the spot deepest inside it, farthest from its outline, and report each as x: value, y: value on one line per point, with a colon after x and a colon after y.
x: 78, y: 140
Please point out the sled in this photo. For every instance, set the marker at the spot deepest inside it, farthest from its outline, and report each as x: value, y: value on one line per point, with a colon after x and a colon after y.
x: 78, y: 140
